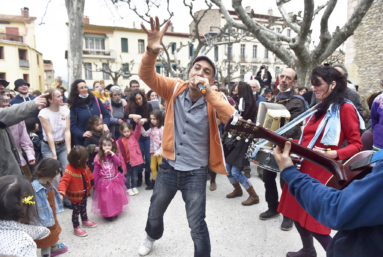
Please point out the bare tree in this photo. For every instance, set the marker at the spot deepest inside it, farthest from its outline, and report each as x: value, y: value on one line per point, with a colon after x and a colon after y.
x: 298, y: 54
x: 182, y: 70
x: 222, y: 69
x: 75, y: 10
x: 336, y: 58
x: 124, y: 71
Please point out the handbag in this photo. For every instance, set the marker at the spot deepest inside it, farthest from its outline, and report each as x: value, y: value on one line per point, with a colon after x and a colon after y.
x: 98, y: 104
x: 228, y: 143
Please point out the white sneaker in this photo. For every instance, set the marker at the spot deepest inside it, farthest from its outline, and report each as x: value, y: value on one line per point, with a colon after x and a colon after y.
x: 145, y: 247
x: 135, y: 190
x: 131, y: 192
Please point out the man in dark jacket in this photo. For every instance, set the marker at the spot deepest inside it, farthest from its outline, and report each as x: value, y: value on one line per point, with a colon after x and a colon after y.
x: 9, y: 157
x: 356, y: 211
x: 296, y: 106
x: 266, y: 76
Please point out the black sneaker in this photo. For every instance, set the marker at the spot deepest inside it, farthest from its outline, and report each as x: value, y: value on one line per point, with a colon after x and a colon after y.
x: 287, y: 224
x: 268, y: 214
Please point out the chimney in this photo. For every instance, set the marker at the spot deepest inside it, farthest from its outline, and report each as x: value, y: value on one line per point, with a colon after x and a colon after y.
x: 290, y: 14
x: 170, y: 28
x: 25, y: 12
x: 134, y: 24
x: 248, y: 9
x: 86, y: 19
x: 270, y: 12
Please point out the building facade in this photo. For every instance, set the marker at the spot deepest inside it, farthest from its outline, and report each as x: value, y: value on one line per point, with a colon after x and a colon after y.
x: 18, y: 55
x: 249, y: 54
x: 49, y: 73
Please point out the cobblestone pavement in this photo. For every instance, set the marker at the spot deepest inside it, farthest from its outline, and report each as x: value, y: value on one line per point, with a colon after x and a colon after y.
x: 235, y: 230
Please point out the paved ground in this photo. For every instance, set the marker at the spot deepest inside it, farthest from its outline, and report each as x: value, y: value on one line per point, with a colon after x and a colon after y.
x: 235, y: 230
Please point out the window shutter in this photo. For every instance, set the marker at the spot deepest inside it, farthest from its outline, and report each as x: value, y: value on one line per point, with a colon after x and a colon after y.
x: 124, y: 45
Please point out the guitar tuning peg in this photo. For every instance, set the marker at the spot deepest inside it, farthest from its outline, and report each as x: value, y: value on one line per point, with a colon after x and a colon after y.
x: 249, y: 121
x: 238, y: 138
x: 229, y: 136
x: 247, y: 140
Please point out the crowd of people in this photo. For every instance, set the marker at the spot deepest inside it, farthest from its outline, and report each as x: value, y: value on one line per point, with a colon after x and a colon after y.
x: 56, y: 150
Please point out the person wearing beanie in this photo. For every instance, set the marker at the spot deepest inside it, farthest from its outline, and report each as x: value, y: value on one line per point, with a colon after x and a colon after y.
x: 22, y: 87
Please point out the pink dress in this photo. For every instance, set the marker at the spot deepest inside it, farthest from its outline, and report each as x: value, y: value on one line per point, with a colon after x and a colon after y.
x: 110, y: 197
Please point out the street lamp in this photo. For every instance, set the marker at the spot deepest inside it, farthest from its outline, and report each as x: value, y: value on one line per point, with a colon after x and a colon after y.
x: 211, y: 39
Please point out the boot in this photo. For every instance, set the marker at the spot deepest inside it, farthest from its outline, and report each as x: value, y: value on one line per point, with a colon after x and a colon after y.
x: 253, y: 197
x: 139, y: 179
x: 213, y: 186
x: 237, y: 191
x: 147, y: 178
x: 308, y: 249
x: 151, y: 187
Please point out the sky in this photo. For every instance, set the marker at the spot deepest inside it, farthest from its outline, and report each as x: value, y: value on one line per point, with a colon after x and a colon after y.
x: 51, y: 30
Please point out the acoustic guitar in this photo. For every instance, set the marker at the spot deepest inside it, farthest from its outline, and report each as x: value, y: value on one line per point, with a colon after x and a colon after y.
x: 342, y: 174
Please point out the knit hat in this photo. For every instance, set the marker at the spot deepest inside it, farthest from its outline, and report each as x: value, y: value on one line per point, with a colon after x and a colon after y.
x: 20, y: 82
x: 4, y: 82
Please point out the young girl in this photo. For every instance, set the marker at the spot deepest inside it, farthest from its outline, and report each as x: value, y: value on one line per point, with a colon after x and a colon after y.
x: 155, y: 133
x: 32, y: 127
x: 18, y: 210
x: 96, y: 126
x: 110, y: 192
x: 76, y: 184
x: 49, y: 203
x: 131, y: 153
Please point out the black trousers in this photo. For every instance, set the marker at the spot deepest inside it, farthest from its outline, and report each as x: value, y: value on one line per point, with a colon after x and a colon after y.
x: 272, y: 197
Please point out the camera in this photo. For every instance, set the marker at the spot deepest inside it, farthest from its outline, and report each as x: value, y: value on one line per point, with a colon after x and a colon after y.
x: 262, y: 67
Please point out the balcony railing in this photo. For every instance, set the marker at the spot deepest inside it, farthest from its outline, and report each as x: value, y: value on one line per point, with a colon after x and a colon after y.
x: 99, y: 53
x: 24, y: 63
x: 242, y: 58
x: 10, y: 37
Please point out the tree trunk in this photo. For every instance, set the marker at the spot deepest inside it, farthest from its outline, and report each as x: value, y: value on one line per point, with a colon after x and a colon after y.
x: 304, y: 74
x: 75, y: 10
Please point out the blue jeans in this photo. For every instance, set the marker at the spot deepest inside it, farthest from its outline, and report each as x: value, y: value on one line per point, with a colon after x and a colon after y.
x: 144, y: 143
x: 235, y: 175
x: 192, y: 185
x: 131, y: 177
x: 61, y: 156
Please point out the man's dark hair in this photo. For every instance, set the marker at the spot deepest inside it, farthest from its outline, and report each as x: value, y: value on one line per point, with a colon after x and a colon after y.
x: 133, y: 82
x: 36, y: 93
x: 345, y: 72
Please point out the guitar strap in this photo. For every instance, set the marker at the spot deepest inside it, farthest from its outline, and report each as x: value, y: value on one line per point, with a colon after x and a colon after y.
x: 367, y: 161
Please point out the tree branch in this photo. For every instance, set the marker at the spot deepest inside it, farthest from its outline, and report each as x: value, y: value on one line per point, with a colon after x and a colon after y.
x: 285, y: 16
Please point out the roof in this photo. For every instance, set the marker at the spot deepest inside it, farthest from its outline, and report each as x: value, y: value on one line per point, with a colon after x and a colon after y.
x: 8, y: 17
x: 101, y: 29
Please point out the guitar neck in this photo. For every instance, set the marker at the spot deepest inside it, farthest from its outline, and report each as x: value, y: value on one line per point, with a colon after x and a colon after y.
x: 251, y: 130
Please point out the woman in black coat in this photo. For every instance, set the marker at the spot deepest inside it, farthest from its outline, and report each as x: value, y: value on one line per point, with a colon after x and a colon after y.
x: 138, y: 108
x: 236, y: 158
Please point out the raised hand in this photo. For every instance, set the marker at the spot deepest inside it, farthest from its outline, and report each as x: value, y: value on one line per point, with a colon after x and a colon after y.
x: 155, y: 35
x: 41, y: 101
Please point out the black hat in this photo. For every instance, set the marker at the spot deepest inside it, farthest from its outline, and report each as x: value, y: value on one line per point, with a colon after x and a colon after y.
x: 268, y: 90
x: 4, y: 82
x: 20, y: 82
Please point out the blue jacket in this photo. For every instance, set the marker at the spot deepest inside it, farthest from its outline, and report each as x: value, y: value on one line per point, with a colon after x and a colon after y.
x: 44, y: 209
x: 79, y: 116
x: 377, y: 121
x: 260, y: 99
x: 356, y: 211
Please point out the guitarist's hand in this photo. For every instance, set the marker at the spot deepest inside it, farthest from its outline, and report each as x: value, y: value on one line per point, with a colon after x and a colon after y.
x: 283, y: 158
x: 333, y: 154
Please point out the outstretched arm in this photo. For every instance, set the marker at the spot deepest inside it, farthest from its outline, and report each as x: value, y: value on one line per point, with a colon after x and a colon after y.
x: 163, y: 86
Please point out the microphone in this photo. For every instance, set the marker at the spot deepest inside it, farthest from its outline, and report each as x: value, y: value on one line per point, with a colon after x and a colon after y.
x: 202, y: 89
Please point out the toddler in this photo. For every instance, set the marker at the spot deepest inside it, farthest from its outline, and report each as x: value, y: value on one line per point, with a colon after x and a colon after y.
x: 95, y: 125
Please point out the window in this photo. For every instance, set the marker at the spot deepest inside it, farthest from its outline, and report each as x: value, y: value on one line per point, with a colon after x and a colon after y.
x: 38, y: 61
x: 26, y: 77
x: 277, y: 71
x: 105, y: 67
x: 279, y: 30
x: 2, y: 52
x: 23, y: 62
x: 242, y: 72
x: 3, y: 75
x: 158, y: 69
x: 216, y: 53
x: 125, y: 69
x: 141, y: 48
x: 266, y: 54
x: 95, y: 43
x: 191, y: 51
x: 289, y: 32
x: 124, y: 45
x: 243, y: 32
x: 88, y: 73
x: 255, y: 68
x: 174, y: 48
x: 242, y: 51
x: 255, y: 48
